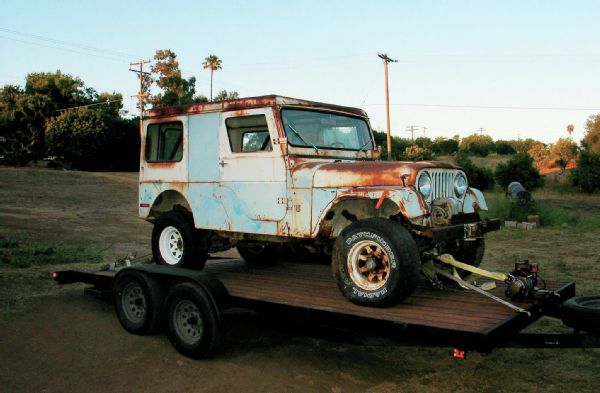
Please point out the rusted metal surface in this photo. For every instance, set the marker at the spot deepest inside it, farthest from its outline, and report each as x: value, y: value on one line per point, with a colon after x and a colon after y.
x: 242, y: 104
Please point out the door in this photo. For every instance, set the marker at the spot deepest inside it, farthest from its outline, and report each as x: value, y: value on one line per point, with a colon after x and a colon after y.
x: 253, y: 174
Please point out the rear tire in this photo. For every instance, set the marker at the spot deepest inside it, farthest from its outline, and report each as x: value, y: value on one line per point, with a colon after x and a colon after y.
x: 375, y: 262
x: 258, y: 254
x: 139, y: 302
x: 193, y: 321
x: 175, y: 242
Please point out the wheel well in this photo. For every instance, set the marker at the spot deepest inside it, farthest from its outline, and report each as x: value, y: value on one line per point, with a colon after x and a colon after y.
x: 344, y: 213
x: 168, y: 201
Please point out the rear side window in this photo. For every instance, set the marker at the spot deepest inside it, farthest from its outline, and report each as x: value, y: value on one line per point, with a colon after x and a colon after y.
x: 164, y: 142
x: 248, y: 134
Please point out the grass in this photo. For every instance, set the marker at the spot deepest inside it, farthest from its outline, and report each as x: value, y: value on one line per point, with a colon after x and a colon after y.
x: 27, y: 254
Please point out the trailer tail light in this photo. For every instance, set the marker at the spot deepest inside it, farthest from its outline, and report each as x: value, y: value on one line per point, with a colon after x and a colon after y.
x: 458, y: 353
x: 54, y: 275
x: 144, y: 205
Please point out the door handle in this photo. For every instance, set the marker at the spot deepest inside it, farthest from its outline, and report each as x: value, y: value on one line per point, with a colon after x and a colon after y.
x: 222, y: 163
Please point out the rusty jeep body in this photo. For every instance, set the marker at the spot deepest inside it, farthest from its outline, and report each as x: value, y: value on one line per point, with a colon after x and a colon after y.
x: 279, y: 177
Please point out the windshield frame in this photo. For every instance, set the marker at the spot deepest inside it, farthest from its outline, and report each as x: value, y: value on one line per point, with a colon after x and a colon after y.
x: 327, y: 148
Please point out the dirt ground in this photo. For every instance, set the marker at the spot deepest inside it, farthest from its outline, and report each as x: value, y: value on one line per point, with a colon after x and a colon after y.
x: 55, y: 339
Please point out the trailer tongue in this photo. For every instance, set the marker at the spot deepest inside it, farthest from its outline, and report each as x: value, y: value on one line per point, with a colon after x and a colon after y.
x: 464, y: 319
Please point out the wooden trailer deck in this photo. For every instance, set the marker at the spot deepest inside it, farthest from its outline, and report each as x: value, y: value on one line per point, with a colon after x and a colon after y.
x: 311, y: 286
x: 428, y: 312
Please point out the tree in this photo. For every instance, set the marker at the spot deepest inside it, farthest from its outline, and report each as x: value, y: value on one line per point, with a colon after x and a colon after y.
x: 587, y: 173
x: 480, y: 145
x: 504, y: 147
x: 417, y: 153
x: 519, y: 168
x: 93, y: 139
x: 175, y: 90
x: 563, y: 152
x: 213, y: 63
x: 591, y: 139
x: 226, y: 95
x: 540, y: 154
x: 479, y: 177
x: 445, y: 146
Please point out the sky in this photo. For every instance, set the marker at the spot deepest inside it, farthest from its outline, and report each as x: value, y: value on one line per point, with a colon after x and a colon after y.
x: 516, y: 69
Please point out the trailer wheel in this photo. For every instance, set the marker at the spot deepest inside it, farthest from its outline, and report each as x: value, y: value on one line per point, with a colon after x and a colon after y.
x: 176, y: 242
x: 582, y: 313
x: 139, y: 302
x: 193, y: 321
x: 375, y: 262
x: 258, y: 254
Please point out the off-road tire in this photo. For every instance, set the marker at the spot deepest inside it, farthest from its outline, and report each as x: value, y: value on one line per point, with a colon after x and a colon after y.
x: 192, y: 249
x: 193, y: 321
x: 402, y: 256
x: 258, y: 254
x: 139, y: 302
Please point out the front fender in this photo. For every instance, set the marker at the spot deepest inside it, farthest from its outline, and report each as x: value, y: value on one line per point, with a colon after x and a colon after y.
x: 474, y: 201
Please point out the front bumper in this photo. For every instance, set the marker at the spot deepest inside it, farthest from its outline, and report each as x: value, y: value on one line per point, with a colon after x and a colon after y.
x: 466, y: 231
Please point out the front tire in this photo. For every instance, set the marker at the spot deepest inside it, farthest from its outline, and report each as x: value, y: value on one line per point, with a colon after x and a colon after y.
x: 175, y: 242
x: 375, y: 262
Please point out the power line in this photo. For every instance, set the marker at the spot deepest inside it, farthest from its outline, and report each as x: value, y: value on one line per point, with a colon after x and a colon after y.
x: 490, y: 107
x: 64, y: 49
x: 88, y: 105
x: 69, y: 43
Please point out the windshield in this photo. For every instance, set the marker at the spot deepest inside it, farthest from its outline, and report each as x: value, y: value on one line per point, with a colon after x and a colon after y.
x: 320, y: 130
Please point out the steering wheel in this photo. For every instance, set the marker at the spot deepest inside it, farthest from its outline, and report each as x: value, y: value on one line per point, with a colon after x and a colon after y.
x: 338, y: 144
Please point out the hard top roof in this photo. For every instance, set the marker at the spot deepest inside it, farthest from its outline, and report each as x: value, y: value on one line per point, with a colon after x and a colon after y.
x: 248, y: 103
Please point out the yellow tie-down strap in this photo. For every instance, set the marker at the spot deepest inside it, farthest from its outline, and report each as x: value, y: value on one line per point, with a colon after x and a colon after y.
x: 449, y: 259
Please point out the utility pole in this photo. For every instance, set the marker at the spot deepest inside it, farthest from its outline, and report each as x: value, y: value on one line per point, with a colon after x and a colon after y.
x: 387, y: 60
x: 141, y: 95
x: 412, y: 130
x: 424, y: 130
x: 481, y: 129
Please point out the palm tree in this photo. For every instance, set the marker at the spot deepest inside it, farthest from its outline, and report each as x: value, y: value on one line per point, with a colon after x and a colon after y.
x: 213, y: 63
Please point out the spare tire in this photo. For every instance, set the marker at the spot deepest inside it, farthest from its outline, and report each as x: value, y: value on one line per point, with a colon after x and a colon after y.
x: 582, y: 313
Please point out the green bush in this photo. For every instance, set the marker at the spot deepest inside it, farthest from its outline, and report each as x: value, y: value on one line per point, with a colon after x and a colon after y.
x: 519, y: 168
x: 444, y: 146
x: 504, y: 148
x: 586, y: 175
x: 479, y: 177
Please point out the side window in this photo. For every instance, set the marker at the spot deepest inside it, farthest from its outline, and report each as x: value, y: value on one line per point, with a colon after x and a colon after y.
x: 248, y: 134
x: 164, y: 142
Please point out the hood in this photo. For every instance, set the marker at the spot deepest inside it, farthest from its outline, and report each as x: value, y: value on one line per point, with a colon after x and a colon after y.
x: 364, y: 173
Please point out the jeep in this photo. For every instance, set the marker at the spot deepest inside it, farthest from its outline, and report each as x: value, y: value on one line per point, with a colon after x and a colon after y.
x: 284, y: 178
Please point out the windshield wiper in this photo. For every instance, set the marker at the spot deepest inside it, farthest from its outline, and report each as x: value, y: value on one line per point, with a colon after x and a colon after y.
x: 363, y: 146
x: 302, y: 139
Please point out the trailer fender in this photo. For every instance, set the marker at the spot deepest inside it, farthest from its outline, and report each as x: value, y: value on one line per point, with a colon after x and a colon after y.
x: 171, y: 276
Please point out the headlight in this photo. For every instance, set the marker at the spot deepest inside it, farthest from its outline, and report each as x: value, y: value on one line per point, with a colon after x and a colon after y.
x: 424, y: 184
x: 460, y: 185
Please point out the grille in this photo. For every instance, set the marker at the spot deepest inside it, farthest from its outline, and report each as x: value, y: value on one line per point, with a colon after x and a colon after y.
x: 442, y: 183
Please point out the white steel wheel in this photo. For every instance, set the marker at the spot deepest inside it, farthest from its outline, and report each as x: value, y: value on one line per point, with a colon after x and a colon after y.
x: 368, y: 265
x: 187, y: 322
x: 171, y: 245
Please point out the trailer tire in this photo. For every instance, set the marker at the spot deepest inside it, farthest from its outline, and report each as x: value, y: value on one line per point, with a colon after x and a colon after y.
x: 375, y: 262
x: 193, y: 320
x: 139, y: 302
x: 175, y: 242
x: 582, y: 313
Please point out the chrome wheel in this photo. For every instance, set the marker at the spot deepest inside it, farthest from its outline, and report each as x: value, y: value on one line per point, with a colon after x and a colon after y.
x: 133, y: 302
x: 368, y: 265
x: 187, y: 322
x: 171, y: 245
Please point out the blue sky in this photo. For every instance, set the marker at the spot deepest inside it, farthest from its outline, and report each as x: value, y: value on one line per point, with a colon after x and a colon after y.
x: 462, y: 64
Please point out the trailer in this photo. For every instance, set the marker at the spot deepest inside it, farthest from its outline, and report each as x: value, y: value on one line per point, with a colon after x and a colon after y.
x: 191, y: 303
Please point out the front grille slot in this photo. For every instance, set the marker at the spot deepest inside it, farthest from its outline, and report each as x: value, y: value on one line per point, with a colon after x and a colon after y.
x: 442, y: 182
